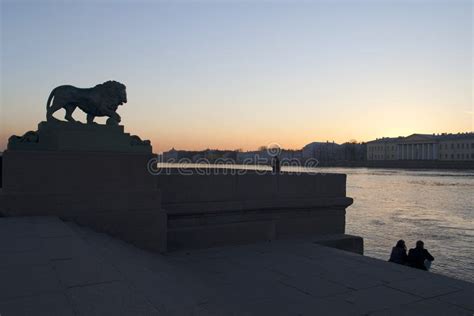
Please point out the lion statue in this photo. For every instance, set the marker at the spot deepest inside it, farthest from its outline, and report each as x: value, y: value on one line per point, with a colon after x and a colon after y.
x: 101, y: 100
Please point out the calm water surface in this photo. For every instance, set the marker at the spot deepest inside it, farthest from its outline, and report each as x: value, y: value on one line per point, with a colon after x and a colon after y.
x: 391, y: 204
x: 435, y: 206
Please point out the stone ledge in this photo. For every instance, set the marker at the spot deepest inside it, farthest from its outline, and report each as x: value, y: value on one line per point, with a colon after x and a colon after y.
x: 209, y: 207
x: 342, y: 242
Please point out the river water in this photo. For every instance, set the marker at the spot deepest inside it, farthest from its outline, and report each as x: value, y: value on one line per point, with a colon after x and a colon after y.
x: 434, y: 206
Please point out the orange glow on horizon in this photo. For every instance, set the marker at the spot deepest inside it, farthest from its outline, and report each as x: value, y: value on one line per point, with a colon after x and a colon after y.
x: 245, y: 142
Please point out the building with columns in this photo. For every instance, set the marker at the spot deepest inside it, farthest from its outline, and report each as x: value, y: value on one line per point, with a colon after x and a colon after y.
x: 423, y: 147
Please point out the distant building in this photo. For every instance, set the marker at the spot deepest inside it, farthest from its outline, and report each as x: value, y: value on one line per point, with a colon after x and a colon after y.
x: 353, y: 151
x: 253, y: 157
x: 291, y: 154
x: 211, y: 155
x: 176, y: 155
x: 423, y: 147
x: 383, y: 149
x: 170, y: 156
x: 456, y: 147
x: 322, y: 151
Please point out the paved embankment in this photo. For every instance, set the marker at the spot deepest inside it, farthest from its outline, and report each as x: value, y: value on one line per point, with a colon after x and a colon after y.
x: 48, y: 267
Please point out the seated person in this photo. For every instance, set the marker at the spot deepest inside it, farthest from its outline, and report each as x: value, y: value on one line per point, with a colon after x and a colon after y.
x: 418, y: 255
x: 399, y: 253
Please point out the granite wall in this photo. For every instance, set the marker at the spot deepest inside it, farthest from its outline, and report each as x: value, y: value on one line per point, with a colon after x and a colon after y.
x: 221, y: 209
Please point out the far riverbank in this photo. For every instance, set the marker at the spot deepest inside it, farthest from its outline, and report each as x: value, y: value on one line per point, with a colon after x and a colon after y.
x: 403, y: 164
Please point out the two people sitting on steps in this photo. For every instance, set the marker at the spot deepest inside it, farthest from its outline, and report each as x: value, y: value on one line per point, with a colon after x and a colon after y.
x: 417, y: 257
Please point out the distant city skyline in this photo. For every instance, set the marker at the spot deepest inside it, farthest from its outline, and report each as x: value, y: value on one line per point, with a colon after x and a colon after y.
x: 471, y: 133
x: 241, y: 75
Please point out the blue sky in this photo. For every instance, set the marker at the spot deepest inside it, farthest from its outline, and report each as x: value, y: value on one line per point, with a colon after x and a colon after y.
x: 242, y: 74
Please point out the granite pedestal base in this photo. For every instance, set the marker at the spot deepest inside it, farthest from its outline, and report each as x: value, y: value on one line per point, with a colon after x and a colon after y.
x: 65, y: 171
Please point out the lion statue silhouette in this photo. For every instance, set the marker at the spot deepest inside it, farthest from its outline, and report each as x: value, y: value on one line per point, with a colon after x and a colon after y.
x: 101, y: 100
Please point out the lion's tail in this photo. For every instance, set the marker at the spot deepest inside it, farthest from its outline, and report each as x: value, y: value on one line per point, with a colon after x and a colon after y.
x: 48, y: 103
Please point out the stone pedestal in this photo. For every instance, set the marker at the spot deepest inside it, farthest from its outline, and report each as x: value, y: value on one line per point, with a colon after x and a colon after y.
x: 94, y: 174
x: 66, y: 136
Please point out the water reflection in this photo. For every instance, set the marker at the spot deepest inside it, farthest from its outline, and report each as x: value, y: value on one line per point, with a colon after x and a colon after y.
x: 436, y: 206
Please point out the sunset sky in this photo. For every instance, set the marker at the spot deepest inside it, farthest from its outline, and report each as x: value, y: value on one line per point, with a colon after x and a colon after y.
x: 241, y: 74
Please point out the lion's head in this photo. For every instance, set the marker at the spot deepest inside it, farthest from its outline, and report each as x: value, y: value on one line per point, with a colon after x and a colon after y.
x: 114, y: 91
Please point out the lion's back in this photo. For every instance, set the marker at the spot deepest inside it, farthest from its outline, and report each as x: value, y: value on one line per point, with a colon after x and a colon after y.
x: 71, y: 94
x: 71, y: 90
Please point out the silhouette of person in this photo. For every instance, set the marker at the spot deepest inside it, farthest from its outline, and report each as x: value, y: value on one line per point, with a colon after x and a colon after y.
x: 276, y: 164
x: 399, y: 253
x: 418, y: 255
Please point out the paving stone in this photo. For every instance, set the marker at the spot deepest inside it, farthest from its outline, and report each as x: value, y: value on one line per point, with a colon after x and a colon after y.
x: 55, y: 304
x: 55, y: 228
x: 249, y: 275
x: 176, y: 299
x: 332, y: 305
x: 257, y: 260
x: 309, y: 251
x: 315, y: 286
x: 387, y: 274
x: 18, y: 281
x: 448, y: 281
x: 250, y: 290
x: 430, y: 307
x: 295, y: 266
x: 58, y: 248
x: 422, y: 287
x: 376, y: 298
x: 261, y: 299
x: 115, y: 298
x: 85, y: 270
x: 207, y: 265
x: 351, y: 280
x: 11, y: 244
x: 270, y: 306
x: 25, y: 258
x: 463, y: 298
x: 34, y: 226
